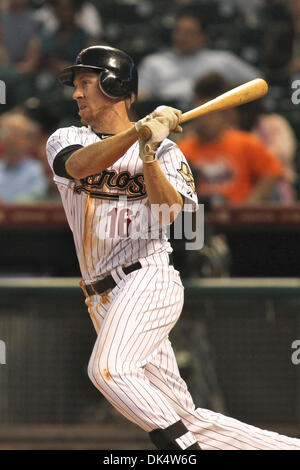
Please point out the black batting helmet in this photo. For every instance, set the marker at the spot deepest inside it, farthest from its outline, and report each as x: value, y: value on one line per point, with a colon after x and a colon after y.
x: 118, y: 77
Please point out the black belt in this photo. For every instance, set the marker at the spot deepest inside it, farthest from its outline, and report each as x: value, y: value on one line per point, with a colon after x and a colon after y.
x: 98, y: 287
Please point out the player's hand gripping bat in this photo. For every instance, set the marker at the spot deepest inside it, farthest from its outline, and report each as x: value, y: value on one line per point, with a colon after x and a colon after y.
x: 242, y: 94
x: 114, y: 147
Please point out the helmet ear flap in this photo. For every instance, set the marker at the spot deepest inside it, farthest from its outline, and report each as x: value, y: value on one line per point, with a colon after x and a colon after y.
x: 112, y: 86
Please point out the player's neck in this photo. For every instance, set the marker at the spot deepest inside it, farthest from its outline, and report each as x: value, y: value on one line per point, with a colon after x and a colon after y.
x: 111, y: 129
x: 112, y: 122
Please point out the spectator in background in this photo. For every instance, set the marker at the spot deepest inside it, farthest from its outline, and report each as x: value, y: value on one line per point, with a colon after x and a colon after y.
x: 59, y: 49
x: 47, y: 125
x: 229, y: 165
x: 22, y: 177
x: 278, y: 136
x: 170, y: 75
x: 87, y: 18
x: 19, y: 52
x: 18, y: 86
x: 276, y: 133
x: 277, y: 40
x: 20, y: 36
x: 294, y: 66
x: 248, y: 8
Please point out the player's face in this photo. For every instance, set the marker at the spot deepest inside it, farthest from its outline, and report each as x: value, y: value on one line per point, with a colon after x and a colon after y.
x: 88, y: 96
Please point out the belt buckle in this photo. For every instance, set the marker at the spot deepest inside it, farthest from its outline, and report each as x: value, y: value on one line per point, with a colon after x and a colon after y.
x: 82, y: 285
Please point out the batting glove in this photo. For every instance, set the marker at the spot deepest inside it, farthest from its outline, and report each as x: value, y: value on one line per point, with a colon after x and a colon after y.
x: 159, y: 131
x: 167, y: 117
x: 147, y: 150
x: 161, y: 122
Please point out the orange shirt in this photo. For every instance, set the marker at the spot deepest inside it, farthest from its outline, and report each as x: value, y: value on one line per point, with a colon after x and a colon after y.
x: 230, y: 167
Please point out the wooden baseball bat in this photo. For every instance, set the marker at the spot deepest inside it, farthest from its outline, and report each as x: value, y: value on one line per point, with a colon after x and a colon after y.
x: 242, y: 94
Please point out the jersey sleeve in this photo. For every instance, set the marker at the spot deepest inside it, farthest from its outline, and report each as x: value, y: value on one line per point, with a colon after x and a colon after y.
x: 62, y: 143
x: 178, y: 172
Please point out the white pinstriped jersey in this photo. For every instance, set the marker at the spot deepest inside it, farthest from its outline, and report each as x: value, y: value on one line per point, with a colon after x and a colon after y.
x: 133, y: 363
x: 93, y: 205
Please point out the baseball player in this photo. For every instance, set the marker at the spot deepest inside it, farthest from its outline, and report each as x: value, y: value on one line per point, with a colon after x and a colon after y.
x: 108, y: 182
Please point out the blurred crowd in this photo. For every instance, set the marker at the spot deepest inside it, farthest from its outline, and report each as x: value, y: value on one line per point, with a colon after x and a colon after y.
x: 187, y: 52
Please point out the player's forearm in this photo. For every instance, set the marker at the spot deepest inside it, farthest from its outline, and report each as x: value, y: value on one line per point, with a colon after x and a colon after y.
x: 97, y: 157
x: 262, y: 190
x: 161, y: 192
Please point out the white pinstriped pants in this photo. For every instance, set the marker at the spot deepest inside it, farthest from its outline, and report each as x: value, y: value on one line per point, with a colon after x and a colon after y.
x: 134, y: 366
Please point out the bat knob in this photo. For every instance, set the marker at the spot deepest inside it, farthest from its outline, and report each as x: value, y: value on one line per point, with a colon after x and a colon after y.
x: 145, y: 133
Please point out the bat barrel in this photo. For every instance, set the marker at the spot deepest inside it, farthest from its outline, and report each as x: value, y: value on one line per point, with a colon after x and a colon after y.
x: 242, y: 94
x: 239, y: 95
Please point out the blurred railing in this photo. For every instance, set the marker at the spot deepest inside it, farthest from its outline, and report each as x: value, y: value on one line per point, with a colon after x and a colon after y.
x: 274, y: 216
x: 263, y: 241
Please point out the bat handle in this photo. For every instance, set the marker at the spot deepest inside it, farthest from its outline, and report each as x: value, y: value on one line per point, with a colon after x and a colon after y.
x: 145, y: 133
